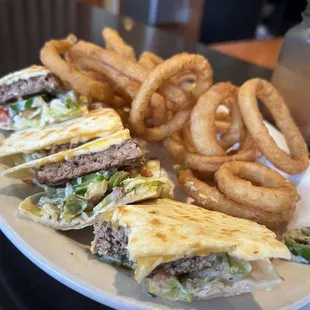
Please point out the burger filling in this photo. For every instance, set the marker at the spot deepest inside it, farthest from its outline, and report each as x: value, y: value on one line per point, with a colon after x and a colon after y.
x: 196, y: 277
x: 90, y: 182
x: 40, y: 110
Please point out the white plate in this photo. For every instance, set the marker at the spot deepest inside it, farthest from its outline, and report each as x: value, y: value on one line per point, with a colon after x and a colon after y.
x: 65, y: 256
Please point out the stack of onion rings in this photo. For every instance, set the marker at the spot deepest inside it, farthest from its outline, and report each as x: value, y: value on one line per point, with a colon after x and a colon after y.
x: 250, y: 202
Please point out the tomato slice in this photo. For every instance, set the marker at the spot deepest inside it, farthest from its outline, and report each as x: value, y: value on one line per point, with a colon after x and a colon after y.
x: 4, y: 115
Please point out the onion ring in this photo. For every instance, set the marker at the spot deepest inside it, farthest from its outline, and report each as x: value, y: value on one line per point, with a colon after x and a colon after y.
x: 222, y: 126
x: 136, y: 72
x: 120, y: 99
x: 186, y: 77
x: 115, y: 43
x: 80, y: 82
x: 149, y: 60
x: 222, y: 116
x: 188, y: 139
x: 159, y: 75
x: 236, y: 129
x: 159, y: 113
x: 202, y: 120
x: 247, y: 152
x: 298, y: 161
x: 210, y: 198
x: 274, y: 193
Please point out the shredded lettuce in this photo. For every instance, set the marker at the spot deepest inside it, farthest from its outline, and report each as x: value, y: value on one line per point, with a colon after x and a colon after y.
x: 73, y: 206
x: 40, y: 110
x: 65, y: 106
x: 237, y: 266
x: 104, y: 202
x: 117, y: 178
x: 51, y: 200
x: 226, y: 268
x: 170, y: 288
x: 81, y: 184
x: 56, y: 196
x: 132, y: 183
x: 96, y: 190
x: 140, y: 193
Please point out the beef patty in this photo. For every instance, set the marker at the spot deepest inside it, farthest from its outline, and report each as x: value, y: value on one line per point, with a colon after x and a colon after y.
x: 48, y: 83
x: 125, y: 154
x: 113, y: 244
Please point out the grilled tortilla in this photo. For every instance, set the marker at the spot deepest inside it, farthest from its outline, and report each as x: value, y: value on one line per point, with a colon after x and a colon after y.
x: 184, y: 252
x: 34, y: 143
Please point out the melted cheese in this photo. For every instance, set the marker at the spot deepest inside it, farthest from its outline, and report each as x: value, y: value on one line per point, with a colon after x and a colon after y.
x: 95, y: 146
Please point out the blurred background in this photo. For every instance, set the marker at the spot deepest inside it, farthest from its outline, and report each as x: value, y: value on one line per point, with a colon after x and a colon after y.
x: 232, y: 23
x: 251, y: 30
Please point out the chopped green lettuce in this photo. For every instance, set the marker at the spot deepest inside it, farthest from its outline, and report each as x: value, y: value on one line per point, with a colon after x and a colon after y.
x: 117, y: 178
x: 81, y: 184
x: 96, y: 190
x: 40, y: 110
x: 170, y: 288
x: 132, y: 183
x: 73, y: 206
x: 226, y: 268
x: 65, y: 108
x: 237, y: 266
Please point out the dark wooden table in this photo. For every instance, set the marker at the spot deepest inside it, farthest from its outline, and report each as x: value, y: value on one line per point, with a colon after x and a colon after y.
x: 24, y: 26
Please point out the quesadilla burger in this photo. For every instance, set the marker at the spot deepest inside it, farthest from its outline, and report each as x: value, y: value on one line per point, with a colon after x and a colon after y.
x: 35, y: 97
x: 82, y: 182
x: 183, y: 252
x: 36, y: 143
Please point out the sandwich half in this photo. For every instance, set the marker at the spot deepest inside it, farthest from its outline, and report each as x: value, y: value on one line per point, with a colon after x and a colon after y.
x: 82, y: 182
x: 35, y: 143
x: 183, y: 252
x: 35, y: 97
